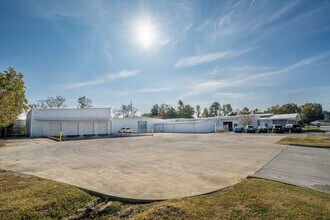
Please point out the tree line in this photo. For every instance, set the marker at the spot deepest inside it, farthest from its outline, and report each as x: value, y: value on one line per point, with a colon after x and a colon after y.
x: 125, y: 110
x: 59, y: 102
x: 309, y: 111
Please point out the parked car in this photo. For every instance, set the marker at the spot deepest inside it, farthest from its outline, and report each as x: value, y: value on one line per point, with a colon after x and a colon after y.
x: 277, y: 129
x: 293, y: 128
x: 239, y: 129
x: 297, y: 128
x: 125, y: 130
x: 262, y: 129
x: 250, y: 129
x: 288, y: 127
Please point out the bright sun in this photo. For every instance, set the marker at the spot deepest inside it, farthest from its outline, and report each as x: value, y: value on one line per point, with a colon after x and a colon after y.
x: 145, y: 34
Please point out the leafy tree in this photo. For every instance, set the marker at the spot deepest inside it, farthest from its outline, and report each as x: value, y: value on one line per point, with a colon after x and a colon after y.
x: 289, y: 108
x: 171, y: 112
x: 235, y: 112
x: 163, y: 111
x: 50, y: 102
x: 326, y: 115
x: 256, y: 111
x: 226, y: 109
x: 273, y: 109
x: 284, y: 109
x: 245, y: 111
x: 180, y: 102
x: 185, y: 111
x: 84, y: 102
x: 198, y: 110
x: 205, y: 113
x: 214, y: 110
x: 12, y: 96
x: 311, y: 112
x: 155, y: 110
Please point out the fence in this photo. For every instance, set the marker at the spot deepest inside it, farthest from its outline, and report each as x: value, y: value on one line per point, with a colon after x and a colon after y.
x: 57, y: 136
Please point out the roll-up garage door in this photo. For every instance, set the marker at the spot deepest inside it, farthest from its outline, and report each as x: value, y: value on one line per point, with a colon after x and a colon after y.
x: 169, y: 128
x: 55, y: 127
x: 184, y: 128
x: 73, y: 128
x: 159, y: 128
x: 88, y: 128
x: 102, y: 128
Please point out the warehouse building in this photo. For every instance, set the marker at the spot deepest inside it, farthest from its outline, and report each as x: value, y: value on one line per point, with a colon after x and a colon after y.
x: 137, y: 124
x: 71, y: 122
x: 282, y: 119
x: 200, y: 125
x: 98, y: 122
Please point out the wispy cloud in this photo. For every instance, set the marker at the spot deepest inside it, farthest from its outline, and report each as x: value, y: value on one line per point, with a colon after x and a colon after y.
x: 242, y: 96
x: 204, y: 25
x: 206, y: 58
x: 307, y: 90
x: 104, y: 79
x: 252, y: 2
x: 214, y: 85
x: 151, y: 90
x: 200, y: 59
x: 83, y: 13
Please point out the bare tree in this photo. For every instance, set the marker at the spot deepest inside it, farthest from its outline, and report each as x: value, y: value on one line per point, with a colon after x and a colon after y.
x: 115, y: 113
x: 50, y: 102
x: 128, y: 110
x: 245, y: 119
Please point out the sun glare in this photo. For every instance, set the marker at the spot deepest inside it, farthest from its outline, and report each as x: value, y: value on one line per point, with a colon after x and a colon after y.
x: 145, y: 34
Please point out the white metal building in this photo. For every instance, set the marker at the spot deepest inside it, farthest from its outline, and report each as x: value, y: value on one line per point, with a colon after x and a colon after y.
x: 282, y: 119
x: 200, y: 125
x: 137, y: 124
x: 71, y: 122
x: 97, y: 121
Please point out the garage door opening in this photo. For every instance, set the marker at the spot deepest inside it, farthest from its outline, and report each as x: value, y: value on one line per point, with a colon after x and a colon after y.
x: 228, y: 126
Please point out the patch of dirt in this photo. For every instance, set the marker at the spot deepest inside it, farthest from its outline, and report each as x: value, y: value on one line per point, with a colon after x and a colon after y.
x: 2, y: 143
x: 159, y: 212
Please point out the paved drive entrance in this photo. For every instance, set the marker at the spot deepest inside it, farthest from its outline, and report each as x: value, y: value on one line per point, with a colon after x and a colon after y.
x: 149, y: 168
x: 301, y: 166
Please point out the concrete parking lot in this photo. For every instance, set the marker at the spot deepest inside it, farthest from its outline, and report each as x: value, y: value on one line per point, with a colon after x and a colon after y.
x: 145, y: 168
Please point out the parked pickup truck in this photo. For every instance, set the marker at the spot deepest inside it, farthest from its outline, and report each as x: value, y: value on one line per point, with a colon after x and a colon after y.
x: 277, y: 129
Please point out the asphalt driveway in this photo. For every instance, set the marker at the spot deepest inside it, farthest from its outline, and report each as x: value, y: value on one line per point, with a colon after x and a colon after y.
x: 145, y: 168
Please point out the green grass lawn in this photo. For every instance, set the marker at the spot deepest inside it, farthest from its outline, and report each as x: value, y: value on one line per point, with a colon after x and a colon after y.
x: 35, y: 198
x: 309, y: 140
x: 24, y: 197
x: 311, y: 128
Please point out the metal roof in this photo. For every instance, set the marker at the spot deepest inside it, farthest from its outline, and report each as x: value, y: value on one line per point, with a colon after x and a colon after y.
x: 294, y: 116
x: 70, y: 119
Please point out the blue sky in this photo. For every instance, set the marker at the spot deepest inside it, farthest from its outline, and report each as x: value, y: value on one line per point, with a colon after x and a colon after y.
x: 248, y: 53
